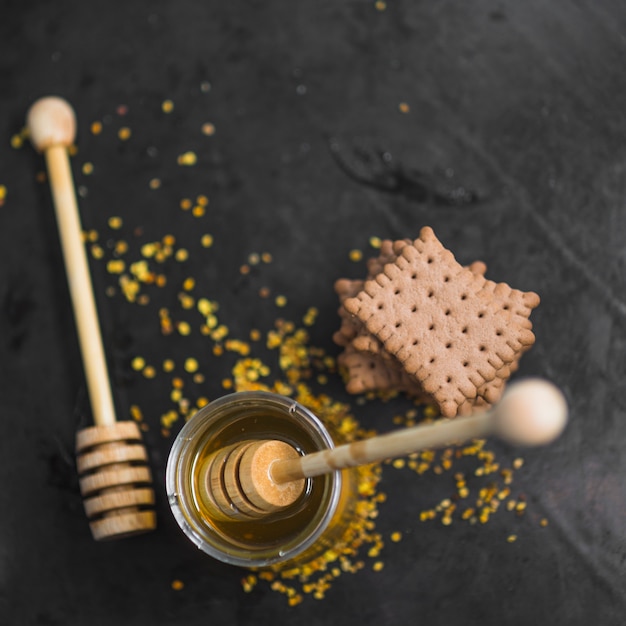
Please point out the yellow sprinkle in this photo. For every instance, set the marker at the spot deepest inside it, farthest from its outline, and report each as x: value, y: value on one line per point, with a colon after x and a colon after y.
x: 87, y: 168
x: 115, y: 222
x: 198, y: 210
x: 266, y: 257
x: 138, y: 363
x: 399, y: 463
x: 167, y: 106
x: 97, y: 252
x: 396, y: 536
x: 96, y: 128
x: 189, y: 283
x: 183, y: 328
x: 380, y: 5
x: 154, y: 183
x: 198, y: 378
x: 378, y: 566
x: 543, y: 522
x: 227, y: 383
x: 187, y: 158
x: 208, y: 129
x: 178, y: 383
x: 185, y: 204
x: 149, y: 371
x: 191, y: 365
x: 511, y: 538
x: 517, y: 463
x: 3, y: 192
x: 280, y: 301
x: 254, y: 258
x: 356, y: 255
x: 181, y: 254
x: 202, y: 200
x: 121, y: 247
x: 255, y: 335
x: 375, y: 242
x: 404, y: 107
x: 16, y: 141
x: 169, y: 240
x: 124, y: 133
x: 168, y: 365
x: 207, y: 240
x: 177, y: 585
x: 116, y: 266
x: 200, y: 402
x: 135, y: 413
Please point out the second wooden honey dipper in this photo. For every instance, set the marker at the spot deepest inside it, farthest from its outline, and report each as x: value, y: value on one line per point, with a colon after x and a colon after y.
x: 115, y: 479
x: 253, y: 479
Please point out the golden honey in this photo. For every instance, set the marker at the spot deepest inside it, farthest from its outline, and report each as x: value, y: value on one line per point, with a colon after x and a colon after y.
x: 306, y: 528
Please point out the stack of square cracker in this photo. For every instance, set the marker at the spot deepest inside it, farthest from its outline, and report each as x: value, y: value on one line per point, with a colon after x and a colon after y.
x: 423, y: 324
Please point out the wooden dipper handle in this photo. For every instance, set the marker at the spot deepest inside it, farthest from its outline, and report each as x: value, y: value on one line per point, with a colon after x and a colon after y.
x: 532, y: 412
x: 112, y: 461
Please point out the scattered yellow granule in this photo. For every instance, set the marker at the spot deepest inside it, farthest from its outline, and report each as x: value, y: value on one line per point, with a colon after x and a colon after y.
x: 356, y: 255
x: 266, y: 257
x: 198, y: 210
x: 207, y: 240
x: 396, y: 536
x: 255, y: 335
x: 543, y: 522
x: 135, y: 413
x: 149, y: 371
x: 181, y: 255
x: 189, y: 283
x: 167, y: 106
x: 124, y: 133
x: 116, y: 266
x: 87, y: 168
x: 202, y: 401
x: 96, y: 128
x: 177, y: 585
x: 378, y: 566
x: 404, y: 107
x: 168, y: 365
x: 97, y: 252
x: 517, y: 463
x: 511, y: 538
x: 208, y: 129
x: 191, y: 365
x: 186, y: 204
x: 154, y: 183
x: 202, y: 200
x: 280, y: 301
x: 380, y: 5
x: 115, y: 222
x: 187, y: 158
x: 138, y: 363
x: 375, y: 242
x: 183, y: 328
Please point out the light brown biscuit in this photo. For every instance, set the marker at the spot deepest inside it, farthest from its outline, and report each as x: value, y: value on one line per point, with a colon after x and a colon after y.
x: 350, y: 325
x: 366, y: 372
x: 432, y: 315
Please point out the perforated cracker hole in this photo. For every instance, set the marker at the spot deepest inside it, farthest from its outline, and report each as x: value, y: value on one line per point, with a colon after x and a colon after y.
x: 446, y: 279
x: 463, y: 296
x: 481, y: 314
x: 414, y: 308
x: 398, y: 324
x: 464, y: 330
x: 482, y: 348
x: 414, y: 276
x: 430, y: 260
x: 447, y: 312
x: 448, y: 345
x: 380, y: 307
x: 431, y: 293
x: 431, y: 327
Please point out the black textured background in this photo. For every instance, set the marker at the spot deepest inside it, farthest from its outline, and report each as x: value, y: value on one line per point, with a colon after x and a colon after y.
x: 513, y: 150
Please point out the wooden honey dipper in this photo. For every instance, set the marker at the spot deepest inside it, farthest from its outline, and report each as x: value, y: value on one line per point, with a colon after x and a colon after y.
x: 115, y: 479
x: 252, y: 479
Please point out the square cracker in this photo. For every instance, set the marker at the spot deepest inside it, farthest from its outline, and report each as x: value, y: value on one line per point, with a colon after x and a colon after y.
x: 440, y: 321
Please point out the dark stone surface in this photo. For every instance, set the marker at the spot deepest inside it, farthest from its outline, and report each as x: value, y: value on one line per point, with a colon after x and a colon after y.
x: 513, y: 150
